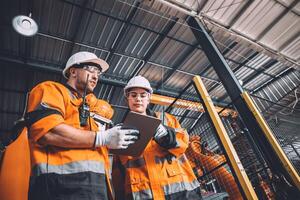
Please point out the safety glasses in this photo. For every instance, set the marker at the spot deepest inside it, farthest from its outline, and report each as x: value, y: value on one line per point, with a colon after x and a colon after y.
x: 92, y: 69
x: 135, y: 95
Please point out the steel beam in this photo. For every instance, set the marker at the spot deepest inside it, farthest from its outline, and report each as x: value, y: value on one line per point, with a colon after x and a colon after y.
x: 272, y: 80
x: 123, y: 21
x: 104, y: 79
x: 155, y: 45
x: 237, y: 68
x: 285, y: 166
x: 256, y: 72
x: 123, y: 30
x: 276, y: 20
x: 201, y: 4
x: 240, y: 13
x: 278, y: 111
x: 78, y: 27
x: 266, y: 66
x: 234, y: 162
x: 235, y: 91
x: 146, y: 28
x: 289, y: 41
x: 287, y: 7
x: 226, y: 50
x: 178, y: 63
x: 184, y: 116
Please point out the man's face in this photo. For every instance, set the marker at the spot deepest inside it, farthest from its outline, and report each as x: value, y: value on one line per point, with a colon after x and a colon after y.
x: 87, y: 76
x: 138, y: 100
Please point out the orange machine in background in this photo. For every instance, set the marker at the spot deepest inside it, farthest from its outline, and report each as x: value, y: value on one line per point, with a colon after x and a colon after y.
x: 15, y: 170
x: 209, y: 161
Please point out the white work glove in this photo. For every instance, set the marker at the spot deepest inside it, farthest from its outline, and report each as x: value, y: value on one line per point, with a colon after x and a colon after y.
x: 116, y: 137
x: 160, y: 132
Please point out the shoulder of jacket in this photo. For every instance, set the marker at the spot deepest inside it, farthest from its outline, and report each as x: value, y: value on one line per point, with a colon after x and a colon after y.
x: 103, y: 102
x: 49, y: 85
x: 102, y: 107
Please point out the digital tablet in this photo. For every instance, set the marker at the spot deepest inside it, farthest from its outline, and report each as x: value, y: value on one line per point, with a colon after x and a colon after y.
x: 147, y: 126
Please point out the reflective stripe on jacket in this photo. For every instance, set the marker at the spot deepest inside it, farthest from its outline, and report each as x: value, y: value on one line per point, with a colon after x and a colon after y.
x: 64, y: 161
x: 161, y: 173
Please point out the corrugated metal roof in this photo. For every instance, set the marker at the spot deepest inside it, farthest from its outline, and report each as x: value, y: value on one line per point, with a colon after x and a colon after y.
x: 259, y: 40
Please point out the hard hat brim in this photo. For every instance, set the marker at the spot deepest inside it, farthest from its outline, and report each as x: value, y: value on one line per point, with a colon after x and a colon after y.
x: 150, y: 90
x: 102, y: 63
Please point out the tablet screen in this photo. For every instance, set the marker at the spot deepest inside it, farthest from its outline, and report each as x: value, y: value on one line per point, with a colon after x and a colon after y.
x: 147, y: 126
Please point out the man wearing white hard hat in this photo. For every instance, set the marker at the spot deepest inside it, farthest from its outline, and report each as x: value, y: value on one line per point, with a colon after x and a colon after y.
x: 69, y: 150
x: 162, y: 171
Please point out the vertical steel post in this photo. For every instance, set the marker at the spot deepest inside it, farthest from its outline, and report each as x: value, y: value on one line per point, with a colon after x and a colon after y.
x: 276, y: 161
x: 234, y: 160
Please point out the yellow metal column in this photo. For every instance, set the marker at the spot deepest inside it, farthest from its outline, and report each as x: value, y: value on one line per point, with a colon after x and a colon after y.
x: 272, y: 140
x: 230, y: 151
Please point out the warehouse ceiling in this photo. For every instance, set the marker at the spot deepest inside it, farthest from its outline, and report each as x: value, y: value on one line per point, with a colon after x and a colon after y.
x: 260, y: 41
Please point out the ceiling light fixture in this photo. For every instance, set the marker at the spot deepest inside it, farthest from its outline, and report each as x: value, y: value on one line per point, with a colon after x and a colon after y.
x: 25, y: 25
x: 241, y: 82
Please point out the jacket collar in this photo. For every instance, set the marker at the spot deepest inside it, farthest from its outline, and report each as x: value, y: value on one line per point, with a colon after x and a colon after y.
x: 72, y: 90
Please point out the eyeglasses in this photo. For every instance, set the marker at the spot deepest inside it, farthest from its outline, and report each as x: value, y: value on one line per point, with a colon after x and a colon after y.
x: 135, y: 95
x: 92, y: 69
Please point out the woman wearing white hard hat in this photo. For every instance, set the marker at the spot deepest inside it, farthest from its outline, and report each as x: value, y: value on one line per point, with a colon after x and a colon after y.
x: 162, y: 171
x: 69, y: 151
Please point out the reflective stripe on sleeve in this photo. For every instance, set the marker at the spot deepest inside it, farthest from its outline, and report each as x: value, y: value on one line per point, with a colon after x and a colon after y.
x: 168, y: 189
x: 69, y: 168
x: 143, y: 194
x: 183, y: 158
x: 180, y: 186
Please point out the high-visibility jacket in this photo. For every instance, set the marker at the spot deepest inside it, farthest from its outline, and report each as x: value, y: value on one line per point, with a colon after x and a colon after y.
x: 64, y: 172
x: 161, y: 173
x: 15, y: 170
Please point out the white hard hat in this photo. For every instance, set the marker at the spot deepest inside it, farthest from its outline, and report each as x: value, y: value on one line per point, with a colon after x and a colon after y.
x: 138, y: 82
x: 84, y: 57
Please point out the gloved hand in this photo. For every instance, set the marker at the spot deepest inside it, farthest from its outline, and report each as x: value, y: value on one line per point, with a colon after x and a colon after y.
x: 160, y: 132
x: 165, y: 137
x: 116, y: 137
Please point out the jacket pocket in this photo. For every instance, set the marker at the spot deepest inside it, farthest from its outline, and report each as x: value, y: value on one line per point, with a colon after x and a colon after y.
x: 174, y: 169
x: 137, y: 177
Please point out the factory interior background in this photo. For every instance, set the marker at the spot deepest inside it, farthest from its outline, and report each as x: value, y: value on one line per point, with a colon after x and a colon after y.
x: 229, y: 70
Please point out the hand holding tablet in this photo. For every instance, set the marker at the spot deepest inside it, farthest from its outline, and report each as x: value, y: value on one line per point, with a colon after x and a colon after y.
x: 146, y: 125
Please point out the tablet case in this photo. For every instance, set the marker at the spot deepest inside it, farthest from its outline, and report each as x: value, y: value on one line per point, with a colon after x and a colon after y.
x: 147, y: 126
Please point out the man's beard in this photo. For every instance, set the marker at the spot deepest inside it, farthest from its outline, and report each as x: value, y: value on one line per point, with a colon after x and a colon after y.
x: 84, y: 84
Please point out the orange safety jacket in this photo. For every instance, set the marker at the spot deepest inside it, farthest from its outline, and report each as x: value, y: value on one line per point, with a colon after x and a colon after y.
x: 161, y: 173
x: 15, y: 169
x: 60, y: 104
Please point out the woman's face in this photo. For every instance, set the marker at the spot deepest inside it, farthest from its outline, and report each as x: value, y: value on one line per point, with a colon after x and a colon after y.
x: 138, y: 100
